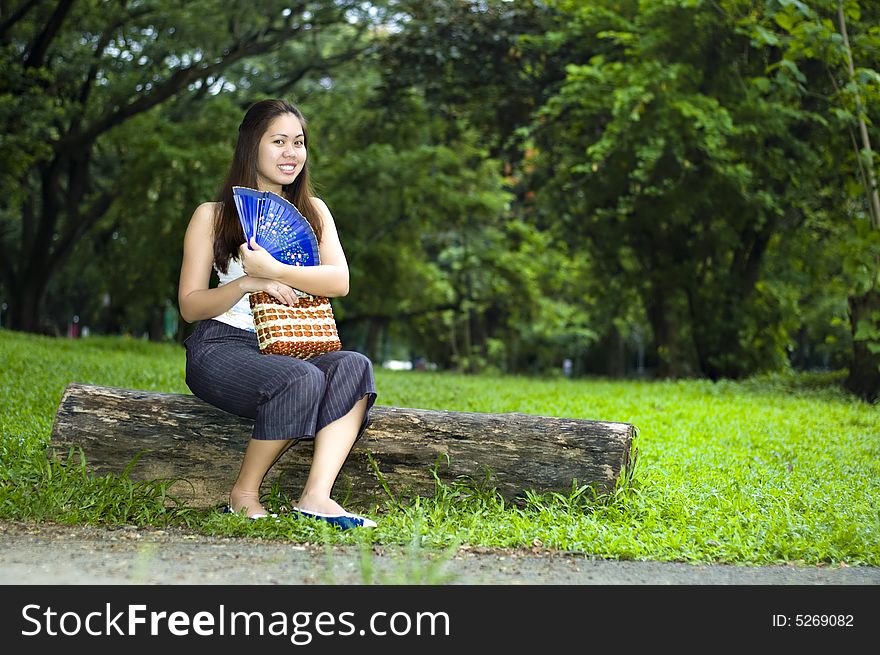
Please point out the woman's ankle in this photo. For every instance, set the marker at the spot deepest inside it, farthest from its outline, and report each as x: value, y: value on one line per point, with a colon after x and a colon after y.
x: 244, y: 500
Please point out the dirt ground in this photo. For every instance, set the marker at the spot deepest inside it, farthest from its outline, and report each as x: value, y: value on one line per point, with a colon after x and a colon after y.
x: 40, y: 554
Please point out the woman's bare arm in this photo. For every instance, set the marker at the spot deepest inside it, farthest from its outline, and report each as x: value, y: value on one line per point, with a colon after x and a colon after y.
x: 196, y: 299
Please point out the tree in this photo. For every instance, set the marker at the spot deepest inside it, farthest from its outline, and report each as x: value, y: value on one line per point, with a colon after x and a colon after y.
x: 124, y: 271
x: 74, y: 73
x: 677, y: 153
x: 864, y: 372
x: 817, y: 38
x: 472, y: 60
x: 482, y: 68
x: 414, y: 208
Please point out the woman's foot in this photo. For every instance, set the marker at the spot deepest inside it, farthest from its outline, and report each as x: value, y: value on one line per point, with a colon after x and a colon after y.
x: 327, y: 509
x: 247, y: 502
x: 318, y: 504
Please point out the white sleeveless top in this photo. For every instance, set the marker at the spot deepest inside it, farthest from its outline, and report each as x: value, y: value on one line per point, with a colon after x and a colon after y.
x: 240, y: 314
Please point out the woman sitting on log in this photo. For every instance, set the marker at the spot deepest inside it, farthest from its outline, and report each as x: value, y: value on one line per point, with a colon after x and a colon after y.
x: 326, y: 398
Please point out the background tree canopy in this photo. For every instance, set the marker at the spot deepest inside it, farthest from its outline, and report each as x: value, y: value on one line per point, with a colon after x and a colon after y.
x: 677, y: 188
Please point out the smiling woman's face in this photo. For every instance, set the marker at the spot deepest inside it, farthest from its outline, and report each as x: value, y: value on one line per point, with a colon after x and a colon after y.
x: 282, y: 153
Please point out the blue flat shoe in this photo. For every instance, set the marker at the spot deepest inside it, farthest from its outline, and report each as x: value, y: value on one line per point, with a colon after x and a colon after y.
x: 345, y: 521
x: 253, y: 517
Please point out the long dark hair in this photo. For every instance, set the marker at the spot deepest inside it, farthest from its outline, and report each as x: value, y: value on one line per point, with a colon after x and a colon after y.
x: 228, y: 233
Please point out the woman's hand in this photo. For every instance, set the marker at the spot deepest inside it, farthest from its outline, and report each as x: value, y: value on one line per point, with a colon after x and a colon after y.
x: 257, y: 262
x: 278, y: 290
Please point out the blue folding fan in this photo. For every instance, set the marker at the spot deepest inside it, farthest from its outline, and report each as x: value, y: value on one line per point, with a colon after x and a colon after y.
x: 277, y: 226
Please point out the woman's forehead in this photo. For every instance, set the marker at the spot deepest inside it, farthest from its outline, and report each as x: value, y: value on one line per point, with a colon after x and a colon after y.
x: 286, y: 124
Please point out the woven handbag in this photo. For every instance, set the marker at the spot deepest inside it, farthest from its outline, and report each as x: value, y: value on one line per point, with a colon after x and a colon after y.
x: 303, y: 330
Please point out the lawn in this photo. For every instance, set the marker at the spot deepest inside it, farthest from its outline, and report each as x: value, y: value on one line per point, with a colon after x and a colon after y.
x: 781, y: 468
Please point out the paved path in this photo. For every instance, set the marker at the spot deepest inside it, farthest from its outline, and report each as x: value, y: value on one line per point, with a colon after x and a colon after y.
x: 41, y: 554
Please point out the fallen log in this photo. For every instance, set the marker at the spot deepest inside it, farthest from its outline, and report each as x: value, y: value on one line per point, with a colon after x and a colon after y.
x: 178, y: 436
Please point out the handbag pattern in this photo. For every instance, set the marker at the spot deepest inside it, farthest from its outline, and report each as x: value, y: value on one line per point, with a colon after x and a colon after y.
x: 303, y: 330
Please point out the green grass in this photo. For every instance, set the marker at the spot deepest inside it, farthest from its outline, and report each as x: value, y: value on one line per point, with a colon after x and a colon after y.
x: 772, y: 469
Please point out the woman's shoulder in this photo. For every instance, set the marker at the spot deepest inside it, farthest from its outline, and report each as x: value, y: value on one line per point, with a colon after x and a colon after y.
x: 321, y: 206
x: 207, y: 209
x: 202, y: 220
x: 205, y: 213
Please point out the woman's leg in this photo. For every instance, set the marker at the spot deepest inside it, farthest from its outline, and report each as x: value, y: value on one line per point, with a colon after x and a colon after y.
x: 332, y: 445
x: 226, y: 369
x: 260, y: 456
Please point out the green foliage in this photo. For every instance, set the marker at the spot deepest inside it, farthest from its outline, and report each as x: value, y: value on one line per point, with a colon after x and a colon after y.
x: 530, y: 300
x: 779, y: 468
x: 470, y: 59
x: 437, y: 261
x: 842, y: 46
x: 515, y: 183
x: 103, y: 110
x: 417, y: 213
x: 690, y: 157
x: 176, y: 158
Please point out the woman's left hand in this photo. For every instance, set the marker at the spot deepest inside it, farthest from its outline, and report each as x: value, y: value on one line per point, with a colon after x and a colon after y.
x: 257, y: 262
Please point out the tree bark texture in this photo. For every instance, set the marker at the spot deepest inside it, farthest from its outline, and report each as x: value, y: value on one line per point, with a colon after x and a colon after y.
x: 178, y: 436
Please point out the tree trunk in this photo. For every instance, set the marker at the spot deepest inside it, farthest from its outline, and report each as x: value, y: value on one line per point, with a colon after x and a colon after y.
x: 24, y: 305
x: 715, y: 331
x: 177, y: 436
x: 375, y: 328
x: 671, y: 359
x: 864, y: 372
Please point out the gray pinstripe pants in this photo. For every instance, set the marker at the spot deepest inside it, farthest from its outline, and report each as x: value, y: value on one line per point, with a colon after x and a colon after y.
x: 289, y: 398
